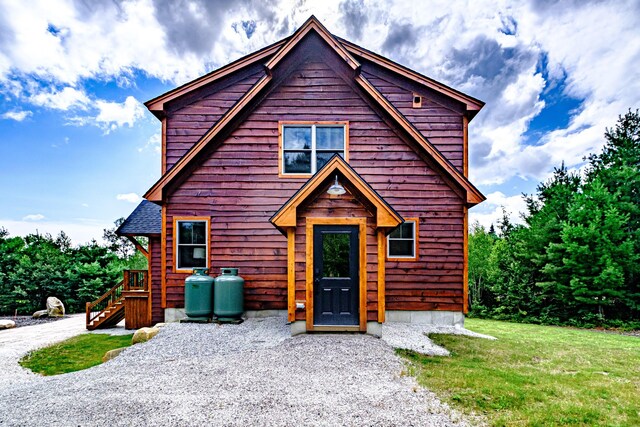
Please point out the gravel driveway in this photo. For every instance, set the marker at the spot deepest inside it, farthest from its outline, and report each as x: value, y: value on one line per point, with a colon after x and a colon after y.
x: 248, y: 374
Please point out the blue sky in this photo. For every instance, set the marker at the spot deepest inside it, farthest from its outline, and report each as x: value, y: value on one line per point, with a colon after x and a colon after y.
x: 78, y: 148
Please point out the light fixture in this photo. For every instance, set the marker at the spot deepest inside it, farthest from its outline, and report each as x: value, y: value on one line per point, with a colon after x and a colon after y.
x: 336, y: 189
x: 198, y: 253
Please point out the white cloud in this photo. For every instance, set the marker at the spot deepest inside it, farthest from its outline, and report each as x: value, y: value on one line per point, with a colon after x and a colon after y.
x: 33, y: 217
x: 66, y: 99
x: 129, y: 197
x: 490, y: 211
x: 18, y: 116
x: 154, y: 142
x: 113, y: 114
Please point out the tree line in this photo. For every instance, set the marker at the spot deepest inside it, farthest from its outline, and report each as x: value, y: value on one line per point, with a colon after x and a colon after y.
x: 575, y: 260
x: 38, y: 266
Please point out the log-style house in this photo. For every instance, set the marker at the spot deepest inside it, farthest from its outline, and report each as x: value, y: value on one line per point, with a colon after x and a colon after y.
x: 333, y: 178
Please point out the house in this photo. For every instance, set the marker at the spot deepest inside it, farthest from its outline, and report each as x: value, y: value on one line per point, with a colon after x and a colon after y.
x: 335, y: 179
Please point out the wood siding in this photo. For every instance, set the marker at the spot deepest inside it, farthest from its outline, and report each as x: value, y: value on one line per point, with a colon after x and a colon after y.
x: 238, y: 187
x: 155, y: 255
x: 439, y: 119
x: 188, y: 118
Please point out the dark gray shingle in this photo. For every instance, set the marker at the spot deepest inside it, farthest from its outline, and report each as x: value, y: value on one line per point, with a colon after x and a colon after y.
x: 145, y: 219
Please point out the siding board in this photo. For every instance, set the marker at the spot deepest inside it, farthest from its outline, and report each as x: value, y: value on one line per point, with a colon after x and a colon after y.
x: 238, y: 187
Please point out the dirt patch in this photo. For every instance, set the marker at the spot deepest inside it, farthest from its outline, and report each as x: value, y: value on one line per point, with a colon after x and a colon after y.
x: 30, y: 321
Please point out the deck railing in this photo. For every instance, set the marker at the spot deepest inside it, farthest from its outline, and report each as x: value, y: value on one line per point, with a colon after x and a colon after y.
x: 133, y: 280
x: 95, y: 308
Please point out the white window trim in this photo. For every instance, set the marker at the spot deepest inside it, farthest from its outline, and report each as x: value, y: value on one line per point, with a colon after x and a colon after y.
x: 314, y: 151
x: 180, y: 268
x: 415, y: 246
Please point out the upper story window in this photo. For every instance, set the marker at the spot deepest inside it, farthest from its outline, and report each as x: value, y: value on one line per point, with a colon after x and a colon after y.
x: 307, y: 147
x: 402, y: 243
x: 192, y: 243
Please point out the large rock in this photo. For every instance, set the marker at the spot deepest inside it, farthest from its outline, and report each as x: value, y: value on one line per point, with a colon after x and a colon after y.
x: 40, y: 313
x: 144, y: 334
x: 55, y: 308
x: 111, y: 354
x: 7, y: 324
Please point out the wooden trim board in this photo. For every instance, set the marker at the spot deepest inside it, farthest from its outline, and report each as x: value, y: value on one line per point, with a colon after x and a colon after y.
x: 175, y: 241
x: 382, y: 251
x: 291, y: 274
x: 362, y: 238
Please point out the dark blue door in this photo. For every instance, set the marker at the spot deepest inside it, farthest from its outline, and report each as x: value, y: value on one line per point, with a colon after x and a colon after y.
x: 336, y: 274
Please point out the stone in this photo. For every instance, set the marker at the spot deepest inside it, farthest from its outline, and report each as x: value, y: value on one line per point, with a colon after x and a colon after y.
x: 55, y: 307
x: 144, y: 334
x: 7, y: 324
x: 111, y: 354
x: 40, y: 313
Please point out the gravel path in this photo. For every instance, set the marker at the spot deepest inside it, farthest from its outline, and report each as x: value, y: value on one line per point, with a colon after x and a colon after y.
x: 14, y: 343
x: 22, y: 321
x: 412, y: 336
x: 248, y: 374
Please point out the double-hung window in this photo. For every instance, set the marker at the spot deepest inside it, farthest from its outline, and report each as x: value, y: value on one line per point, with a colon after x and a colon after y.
x: 306, y: 148
x: 402, y: 243
x: 192, y: 243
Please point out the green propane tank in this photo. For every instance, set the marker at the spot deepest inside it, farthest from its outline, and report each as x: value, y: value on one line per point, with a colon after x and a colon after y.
x: 198, y: 290
x: 228, y: 301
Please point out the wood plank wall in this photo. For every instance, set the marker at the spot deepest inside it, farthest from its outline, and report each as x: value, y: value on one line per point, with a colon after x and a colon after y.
x: 440, y: 120
x: 187, y: 123
x: 155, y: 247
x: 238, y: 187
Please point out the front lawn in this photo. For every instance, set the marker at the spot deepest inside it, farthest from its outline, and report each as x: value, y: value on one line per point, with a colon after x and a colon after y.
x: 537, y: 375
x: 80, y: 352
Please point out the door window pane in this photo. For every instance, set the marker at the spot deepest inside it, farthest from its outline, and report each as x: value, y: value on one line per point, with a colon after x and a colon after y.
x: 335, y: 254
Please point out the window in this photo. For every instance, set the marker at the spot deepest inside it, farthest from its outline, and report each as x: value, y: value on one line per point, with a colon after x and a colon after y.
x: 192, y: 248
x: 306, y: 148
x: 402, y: 242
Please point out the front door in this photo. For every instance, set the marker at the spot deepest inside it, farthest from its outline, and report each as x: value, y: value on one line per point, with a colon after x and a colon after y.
x: 335, y: 270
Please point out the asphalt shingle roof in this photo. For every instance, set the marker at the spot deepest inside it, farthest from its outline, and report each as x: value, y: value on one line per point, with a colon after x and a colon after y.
x: 145, y: 219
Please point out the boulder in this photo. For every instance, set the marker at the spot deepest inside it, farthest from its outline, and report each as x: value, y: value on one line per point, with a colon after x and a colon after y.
x: 40, y: 313
x: 144, y: 334
x: 55, y: 308
x: 7, y: 324
x: 111, y: 354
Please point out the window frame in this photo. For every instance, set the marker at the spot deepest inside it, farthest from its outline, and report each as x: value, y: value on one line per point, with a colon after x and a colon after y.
x: 176, y: 221
x: 312, y: 125
x: 416, y: 247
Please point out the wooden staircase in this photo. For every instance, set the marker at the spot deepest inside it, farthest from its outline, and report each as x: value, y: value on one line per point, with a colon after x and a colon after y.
x: 109, y: 310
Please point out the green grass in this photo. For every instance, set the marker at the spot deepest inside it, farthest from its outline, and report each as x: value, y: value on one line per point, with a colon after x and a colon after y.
x: 536, y: 375
x: 77, y: 353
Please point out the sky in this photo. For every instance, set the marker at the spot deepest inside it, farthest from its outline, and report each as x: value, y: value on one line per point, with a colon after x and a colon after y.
x: 78, y: 148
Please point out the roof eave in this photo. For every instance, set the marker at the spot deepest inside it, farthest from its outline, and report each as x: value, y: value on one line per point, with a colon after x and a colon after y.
x: 157, y: 104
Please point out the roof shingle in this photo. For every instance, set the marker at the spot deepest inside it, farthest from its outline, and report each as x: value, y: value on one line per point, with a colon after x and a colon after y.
x: 144, y: 220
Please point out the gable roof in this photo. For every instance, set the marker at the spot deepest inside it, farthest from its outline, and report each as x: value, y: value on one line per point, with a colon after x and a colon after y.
x: 386, y: 216
x: 473, y: 105
x: 146, y: 219
x: 157, y: 104
x: 155, y: 193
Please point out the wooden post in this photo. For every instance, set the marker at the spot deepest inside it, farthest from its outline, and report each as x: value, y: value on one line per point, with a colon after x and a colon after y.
x: 136, y: 309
